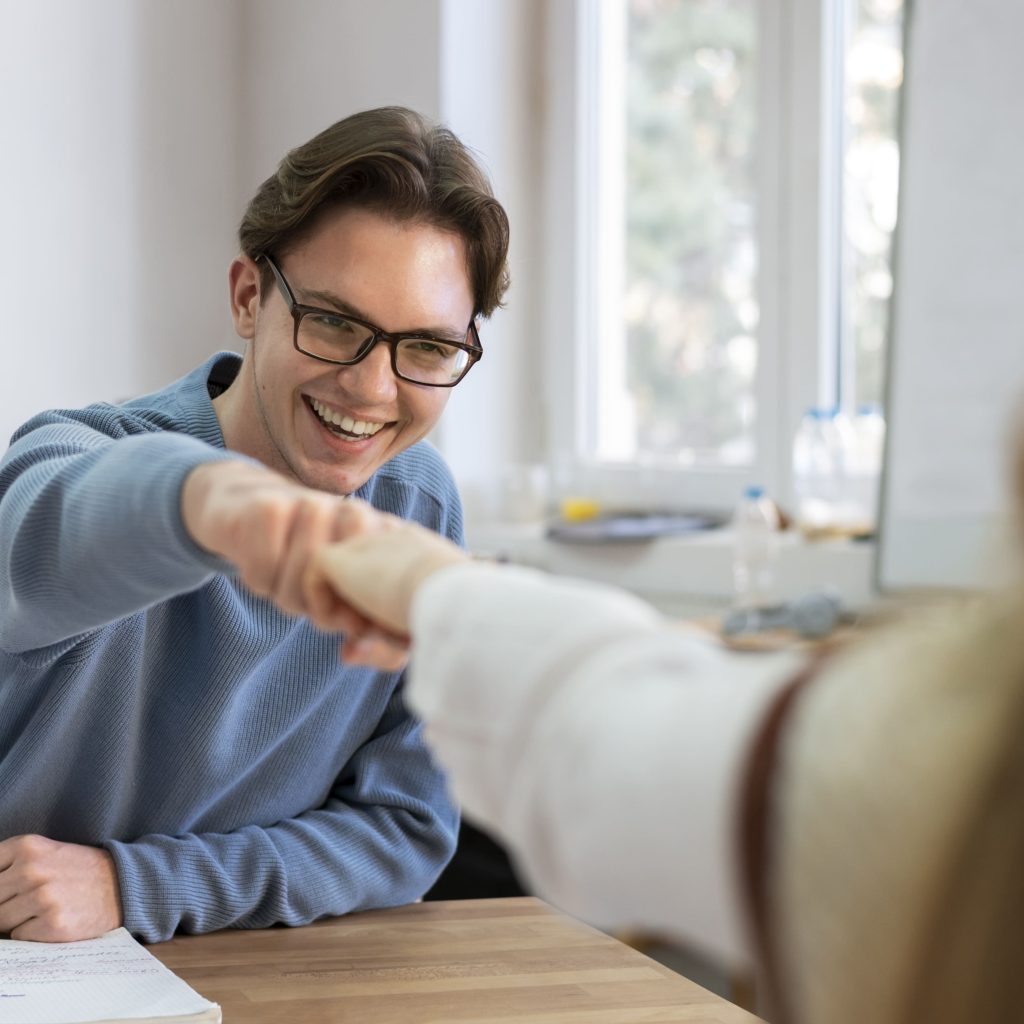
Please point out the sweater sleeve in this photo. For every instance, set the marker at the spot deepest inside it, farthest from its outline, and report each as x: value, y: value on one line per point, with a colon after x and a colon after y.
x: 606, y: 751
x: 380, y: 839
x: 91, y: 529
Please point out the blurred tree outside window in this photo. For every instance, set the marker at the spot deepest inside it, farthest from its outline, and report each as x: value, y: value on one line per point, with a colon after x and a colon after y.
x: 691, y: 310
x: 680, y: 362
x: 874, y: 74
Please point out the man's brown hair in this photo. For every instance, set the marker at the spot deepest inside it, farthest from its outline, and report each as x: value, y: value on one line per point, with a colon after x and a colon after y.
x: 393, y: 162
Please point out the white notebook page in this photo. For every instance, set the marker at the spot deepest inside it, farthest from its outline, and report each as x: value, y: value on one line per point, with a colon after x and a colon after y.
x: 111, y: 978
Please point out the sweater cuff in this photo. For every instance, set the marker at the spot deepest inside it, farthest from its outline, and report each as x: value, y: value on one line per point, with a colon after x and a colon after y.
x: 150, y: 908
x: 158, y: 485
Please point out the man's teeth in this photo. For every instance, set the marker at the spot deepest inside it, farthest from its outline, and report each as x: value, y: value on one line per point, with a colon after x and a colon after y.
x: 358, y: 428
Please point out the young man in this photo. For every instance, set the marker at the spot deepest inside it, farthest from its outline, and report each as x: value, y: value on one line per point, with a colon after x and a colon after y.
x: 176, y: 751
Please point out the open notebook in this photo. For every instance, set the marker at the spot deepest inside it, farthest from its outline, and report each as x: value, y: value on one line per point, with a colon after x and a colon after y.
x: 111, y: 978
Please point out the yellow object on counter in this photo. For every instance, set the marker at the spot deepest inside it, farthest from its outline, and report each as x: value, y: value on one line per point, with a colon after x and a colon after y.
x: 578, y: 510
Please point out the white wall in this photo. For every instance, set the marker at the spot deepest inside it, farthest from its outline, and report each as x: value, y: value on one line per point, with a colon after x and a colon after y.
x: 493, y: 97
x: 66, y: 123
x: 119, y: 196
x: 956, y: 368
x: 309, y: 63
x: 187, y: 204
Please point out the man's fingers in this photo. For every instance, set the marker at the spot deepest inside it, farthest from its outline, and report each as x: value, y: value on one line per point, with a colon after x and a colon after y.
x: 376, y: 650
x: 8, y: 851
x: 33, y: 930
x: 312, y: 526
x: 9, y: 885
x: 316, y: 520
x: 47, y: 929
x: 328, y: 611
x: 19, y: 860
x: 355, y: 517
x: 16, y: 912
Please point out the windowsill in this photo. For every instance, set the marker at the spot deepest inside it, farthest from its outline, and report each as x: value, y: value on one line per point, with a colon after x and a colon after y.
x: 689, y: 574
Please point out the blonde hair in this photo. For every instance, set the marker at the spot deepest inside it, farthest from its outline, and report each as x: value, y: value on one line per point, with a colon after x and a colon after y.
x: 900, y: 809
x: 971, y: 962
x: 971, y: 966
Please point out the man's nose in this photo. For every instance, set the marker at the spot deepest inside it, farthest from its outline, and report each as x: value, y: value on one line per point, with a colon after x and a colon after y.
x: 372, y: 378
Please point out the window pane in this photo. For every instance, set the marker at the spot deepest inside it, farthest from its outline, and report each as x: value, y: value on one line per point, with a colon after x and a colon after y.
x: 874, y: 73
x: 690, y: 279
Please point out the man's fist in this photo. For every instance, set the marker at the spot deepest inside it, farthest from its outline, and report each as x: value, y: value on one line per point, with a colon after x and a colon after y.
x: 265, y: 525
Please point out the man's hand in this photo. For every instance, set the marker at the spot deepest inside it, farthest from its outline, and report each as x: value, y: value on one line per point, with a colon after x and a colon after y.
x: 269, y: 528
x: 56, y: 892
x: 376, y: 573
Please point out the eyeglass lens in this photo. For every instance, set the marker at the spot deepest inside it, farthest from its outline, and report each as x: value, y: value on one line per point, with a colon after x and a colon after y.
x: 423, y: 360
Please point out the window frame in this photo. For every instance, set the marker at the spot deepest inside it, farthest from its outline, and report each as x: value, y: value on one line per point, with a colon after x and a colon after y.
x: 799, y: 254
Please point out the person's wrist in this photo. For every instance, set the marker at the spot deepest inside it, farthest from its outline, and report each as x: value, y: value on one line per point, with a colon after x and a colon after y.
x: 194, y: 492
x: 432, y: 563
x: 423, y: 569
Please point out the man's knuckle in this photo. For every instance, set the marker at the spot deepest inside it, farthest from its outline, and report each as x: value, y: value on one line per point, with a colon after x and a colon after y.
x: 48, y: 902
x: 27, y: 845
x: 32, y: 875
x: 57, y: 926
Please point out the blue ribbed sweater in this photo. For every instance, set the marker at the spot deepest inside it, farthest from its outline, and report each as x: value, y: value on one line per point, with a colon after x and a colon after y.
x: 150, y: 704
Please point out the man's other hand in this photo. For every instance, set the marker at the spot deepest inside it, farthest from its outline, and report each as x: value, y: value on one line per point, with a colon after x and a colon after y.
x: 56, y: 892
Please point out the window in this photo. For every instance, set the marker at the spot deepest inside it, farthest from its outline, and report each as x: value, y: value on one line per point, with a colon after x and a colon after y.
x: 734, y: 164
x: 873, y: 75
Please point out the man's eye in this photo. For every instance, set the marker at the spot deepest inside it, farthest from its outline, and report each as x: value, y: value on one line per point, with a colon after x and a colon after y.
x: 332, y: 323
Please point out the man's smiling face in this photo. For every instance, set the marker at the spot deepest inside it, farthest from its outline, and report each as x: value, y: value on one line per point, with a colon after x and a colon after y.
x: 332, y: 427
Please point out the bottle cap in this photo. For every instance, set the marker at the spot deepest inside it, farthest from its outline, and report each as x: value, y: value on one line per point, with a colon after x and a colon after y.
x: 753, y: 492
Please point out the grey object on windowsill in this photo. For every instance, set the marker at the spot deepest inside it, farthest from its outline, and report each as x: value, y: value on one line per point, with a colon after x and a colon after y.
x: 632, y: 527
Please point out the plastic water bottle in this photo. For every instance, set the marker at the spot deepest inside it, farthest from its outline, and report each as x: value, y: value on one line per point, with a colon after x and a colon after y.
x: 848, y: 507
x: 817, y: 472
x: 866, y: 466
x: 755, y: 550
x: 836, y: 468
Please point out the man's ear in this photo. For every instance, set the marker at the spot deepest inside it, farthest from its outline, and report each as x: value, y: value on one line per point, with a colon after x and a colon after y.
x: 244, y: 291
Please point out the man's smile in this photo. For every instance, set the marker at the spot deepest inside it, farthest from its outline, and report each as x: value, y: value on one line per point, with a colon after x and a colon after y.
x: 341, y: 424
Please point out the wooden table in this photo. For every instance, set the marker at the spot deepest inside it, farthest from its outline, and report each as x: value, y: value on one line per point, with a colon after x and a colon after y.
x: 498, y: 960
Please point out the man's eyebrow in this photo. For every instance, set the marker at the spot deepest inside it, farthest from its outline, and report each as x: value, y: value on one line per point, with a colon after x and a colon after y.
x: 338, y: 304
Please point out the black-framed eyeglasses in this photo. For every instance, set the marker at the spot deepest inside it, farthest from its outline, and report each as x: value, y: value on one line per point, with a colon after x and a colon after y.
x: 344, y: 340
